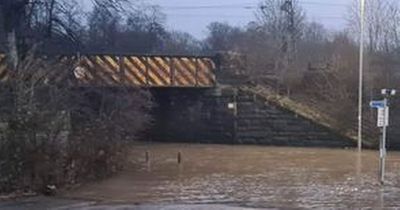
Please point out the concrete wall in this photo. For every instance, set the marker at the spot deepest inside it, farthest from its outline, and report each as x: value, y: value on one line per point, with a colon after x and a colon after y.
x: 193, y: 115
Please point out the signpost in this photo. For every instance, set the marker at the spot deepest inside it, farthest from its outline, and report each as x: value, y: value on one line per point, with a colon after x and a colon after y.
x: 383, y: 117
x: 383, y: 112
x: 377, y: 104
x: 382, y: 122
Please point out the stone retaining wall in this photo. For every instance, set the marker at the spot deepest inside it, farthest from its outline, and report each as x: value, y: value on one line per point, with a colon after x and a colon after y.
x: 260, y: 122
x: 195, y: 116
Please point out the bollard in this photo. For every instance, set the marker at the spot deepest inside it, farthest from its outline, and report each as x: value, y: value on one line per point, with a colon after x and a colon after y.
x: 179, y: 158
x: 148, y: 162
x: 147, y: 156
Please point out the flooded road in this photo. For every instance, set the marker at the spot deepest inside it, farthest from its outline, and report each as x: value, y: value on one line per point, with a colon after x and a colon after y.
x: 250, y: 176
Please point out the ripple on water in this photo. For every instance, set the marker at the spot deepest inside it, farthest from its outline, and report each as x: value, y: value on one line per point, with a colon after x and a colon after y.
x: 258, y: 177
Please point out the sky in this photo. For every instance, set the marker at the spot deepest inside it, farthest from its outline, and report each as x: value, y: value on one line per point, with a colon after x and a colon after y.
x: 193, y: 16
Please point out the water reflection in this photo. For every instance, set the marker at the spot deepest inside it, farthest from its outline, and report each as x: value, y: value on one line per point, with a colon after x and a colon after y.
x: 252, y: 176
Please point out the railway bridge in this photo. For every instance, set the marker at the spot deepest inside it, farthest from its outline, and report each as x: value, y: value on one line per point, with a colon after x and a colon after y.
x: 200, y: 99
x: 113, y: 70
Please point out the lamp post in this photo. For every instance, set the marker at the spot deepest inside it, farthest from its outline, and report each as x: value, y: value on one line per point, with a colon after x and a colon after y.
x: 360, y: 88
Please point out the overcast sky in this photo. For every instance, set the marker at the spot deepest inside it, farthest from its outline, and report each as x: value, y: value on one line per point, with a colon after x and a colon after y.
x: 193, y: 16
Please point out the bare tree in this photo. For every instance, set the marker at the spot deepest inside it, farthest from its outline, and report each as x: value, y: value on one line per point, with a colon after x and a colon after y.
x: 382, y: 25
x: 181, y: 43
x: 18, y: 15
x: 135, y: 31
x: 12, y: 13
x: 221, y: 36
x: 283, y: 20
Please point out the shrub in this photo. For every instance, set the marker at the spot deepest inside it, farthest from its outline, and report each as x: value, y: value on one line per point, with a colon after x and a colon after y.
x: 55, y: 133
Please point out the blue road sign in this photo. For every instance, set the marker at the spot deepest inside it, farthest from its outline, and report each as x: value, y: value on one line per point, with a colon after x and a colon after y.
x: 377, y: 104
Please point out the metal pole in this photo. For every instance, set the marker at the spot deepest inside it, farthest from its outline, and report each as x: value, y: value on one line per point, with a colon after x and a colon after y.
x: 235, y: 115
x: 382, y: 149
x: 360, y: 88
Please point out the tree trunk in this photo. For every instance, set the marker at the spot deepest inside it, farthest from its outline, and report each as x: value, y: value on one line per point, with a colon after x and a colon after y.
x: 12, y: 50
x: 12, y: 13
x: 51, y: 19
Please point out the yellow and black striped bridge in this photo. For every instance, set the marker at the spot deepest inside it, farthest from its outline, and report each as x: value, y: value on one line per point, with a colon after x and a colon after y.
x: 136, y: 70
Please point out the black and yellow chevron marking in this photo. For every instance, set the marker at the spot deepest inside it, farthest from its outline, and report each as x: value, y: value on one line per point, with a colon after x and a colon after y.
x: 3, y: 68
x: 148, y: 71
x: 134, y: 71
x: 169, y: 71
x: 206, y: 74
x: 98, y: 70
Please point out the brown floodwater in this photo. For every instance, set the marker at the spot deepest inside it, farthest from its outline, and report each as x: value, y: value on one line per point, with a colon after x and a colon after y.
x: 251, y: 176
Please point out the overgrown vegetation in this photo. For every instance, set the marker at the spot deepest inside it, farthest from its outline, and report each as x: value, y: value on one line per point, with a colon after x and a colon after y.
x: 56, y: 133
x: 53, y: 131
x: 306, y: 62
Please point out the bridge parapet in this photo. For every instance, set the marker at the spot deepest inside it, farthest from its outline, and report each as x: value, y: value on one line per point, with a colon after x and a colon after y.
x: 136, y: 70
